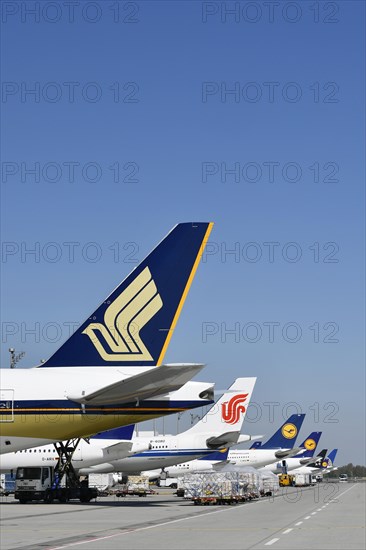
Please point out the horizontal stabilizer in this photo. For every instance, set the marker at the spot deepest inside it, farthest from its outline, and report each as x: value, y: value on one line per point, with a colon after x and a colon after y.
x: 223, y: 440
x: 156, y: 381
x: 123, y: 449
x: 287, y: 453
x: 119, y: 450
x: 304, y: 461
x: 244, y: 438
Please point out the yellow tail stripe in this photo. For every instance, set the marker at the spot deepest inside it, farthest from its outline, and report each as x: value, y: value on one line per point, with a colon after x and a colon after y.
x: 185, y: 292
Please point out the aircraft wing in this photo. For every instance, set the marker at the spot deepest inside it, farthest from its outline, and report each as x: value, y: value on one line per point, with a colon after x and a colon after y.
x: 243, y: 438
x: 156, y: 381
x: 287, y: 453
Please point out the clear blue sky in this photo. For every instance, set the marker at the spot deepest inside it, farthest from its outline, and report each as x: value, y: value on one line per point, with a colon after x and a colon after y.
x: 132, y: 128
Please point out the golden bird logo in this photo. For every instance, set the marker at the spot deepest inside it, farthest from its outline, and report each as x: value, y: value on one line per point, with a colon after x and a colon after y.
x: 310, y: 444
x: 289, y: 431
x: 123, y: 320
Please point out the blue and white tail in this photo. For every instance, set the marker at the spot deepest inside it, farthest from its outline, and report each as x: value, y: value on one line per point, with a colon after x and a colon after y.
x: 285, y: 436
x: 328, y: 461
x: 133, y: 326
x: 309, y: 445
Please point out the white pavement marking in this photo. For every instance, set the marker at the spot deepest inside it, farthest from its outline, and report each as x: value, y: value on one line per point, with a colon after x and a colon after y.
x: 313, y: 513
x: 128, y: 531
x: 307, y: 517
x: 287, y: 531
x: 319, y: 510
x: 298, y: 523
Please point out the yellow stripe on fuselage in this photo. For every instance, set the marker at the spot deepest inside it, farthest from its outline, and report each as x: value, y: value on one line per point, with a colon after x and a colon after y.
x: 58, y: 427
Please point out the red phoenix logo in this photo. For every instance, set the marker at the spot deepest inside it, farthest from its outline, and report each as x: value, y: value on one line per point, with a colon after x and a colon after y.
x: 231, y: 410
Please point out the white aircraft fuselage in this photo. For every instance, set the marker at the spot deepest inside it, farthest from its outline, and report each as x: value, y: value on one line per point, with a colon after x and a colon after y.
x: 251, y: 457
x: 38, y: 405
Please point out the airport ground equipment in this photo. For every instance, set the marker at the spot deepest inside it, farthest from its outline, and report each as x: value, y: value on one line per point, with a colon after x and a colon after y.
x: 7, y: 484
x: 49, y: 483
x: 221, y: 487
x: 302, y: 480
x: 269, y: 484
x: 286, y: 480
x: 135, y: 485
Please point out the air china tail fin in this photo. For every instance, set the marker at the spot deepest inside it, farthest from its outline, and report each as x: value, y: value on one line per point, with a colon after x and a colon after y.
x: 225, y: 419
x: 309, y: 445
x: 133, y: 326
x: 285, y: 437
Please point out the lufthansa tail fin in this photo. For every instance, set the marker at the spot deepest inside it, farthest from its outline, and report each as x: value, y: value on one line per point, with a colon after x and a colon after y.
x: 133, y: 326
x: 318, y: 460
x: 225, y: 419
x: 328, y: 461
x: 285, y: 437
x: 331, y: 456
x: 309, y: 445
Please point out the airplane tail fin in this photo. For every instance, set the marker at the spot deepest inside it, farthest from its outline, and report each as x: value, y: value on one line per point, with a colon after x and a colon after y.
x: 319, y: 459
x: 309, y: 445
x: 285, y: 436
x: 227, y: 414
x: 133, y: 326
x: 328, y: 461
x: 332, y: 456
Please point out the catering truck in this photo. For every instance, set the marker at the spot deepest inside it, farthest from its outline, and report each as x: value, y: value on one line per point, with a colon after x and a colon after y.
x: 43, y: 484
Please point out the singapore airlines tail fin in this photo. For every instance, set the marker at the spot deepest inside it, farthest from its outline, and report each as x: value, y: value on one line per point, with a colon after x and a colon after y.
x: 225, y: 419
x: 133, y: 326
x: 285, y: 437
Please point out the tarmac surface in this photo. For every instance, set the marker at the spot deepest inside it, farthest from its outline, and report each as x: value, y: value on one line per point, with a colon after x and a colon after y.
x: 329, y: 515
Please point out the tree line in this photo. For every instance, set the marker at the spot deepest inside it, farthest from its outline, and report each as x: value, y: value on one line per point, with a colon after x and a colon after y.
x: 350, y: 469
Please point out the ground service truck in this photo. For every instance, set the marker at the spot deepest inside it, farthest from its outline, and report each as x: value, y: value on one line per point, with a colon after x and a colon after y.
x: 43, y: 484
